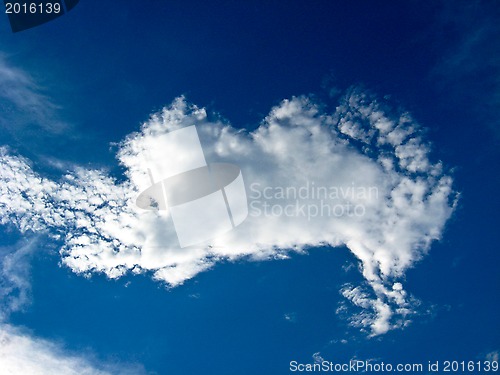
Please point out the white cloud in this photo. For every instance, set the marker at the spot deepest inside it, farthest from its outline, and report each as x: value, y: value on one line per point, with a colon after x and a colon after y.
x: 381, y: 309
x: 291, y: 317
x: 299, y: 161
x: 21, y: 353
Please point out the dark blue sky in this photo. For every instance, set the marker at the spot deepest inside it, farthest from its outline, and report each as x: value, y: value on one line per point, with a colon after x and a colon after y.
x: 107, y: 67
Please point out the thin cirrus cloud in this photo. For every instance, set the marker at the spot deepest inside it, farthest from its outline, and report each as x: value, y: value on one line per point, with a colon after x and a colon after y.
x: 22, y: 102
x: 470, y: 66
x: 15, y: 287
x: 387, y: 201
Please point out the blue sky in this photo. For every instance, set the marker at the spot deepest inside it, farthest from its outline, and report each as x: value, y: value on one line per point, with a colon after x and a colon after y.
x: 76, y: 96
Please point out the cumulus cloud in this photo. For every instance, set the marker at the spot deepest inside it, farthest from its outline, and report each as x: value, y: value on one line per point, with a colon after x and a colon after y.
x: 360, y: 177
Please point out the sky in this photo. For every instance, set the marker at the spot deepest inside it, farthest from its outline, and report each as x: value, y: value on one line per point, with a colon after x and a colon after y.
x: 354, y: 216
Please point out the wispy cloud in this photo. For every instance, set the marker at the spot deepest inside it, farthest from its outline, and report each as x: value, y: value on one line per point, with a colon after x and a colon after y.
x: 21, y: 353
x: 358, y: 149
x: 15, y: 286
x: 470, y: 66
x: 23, y: 104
